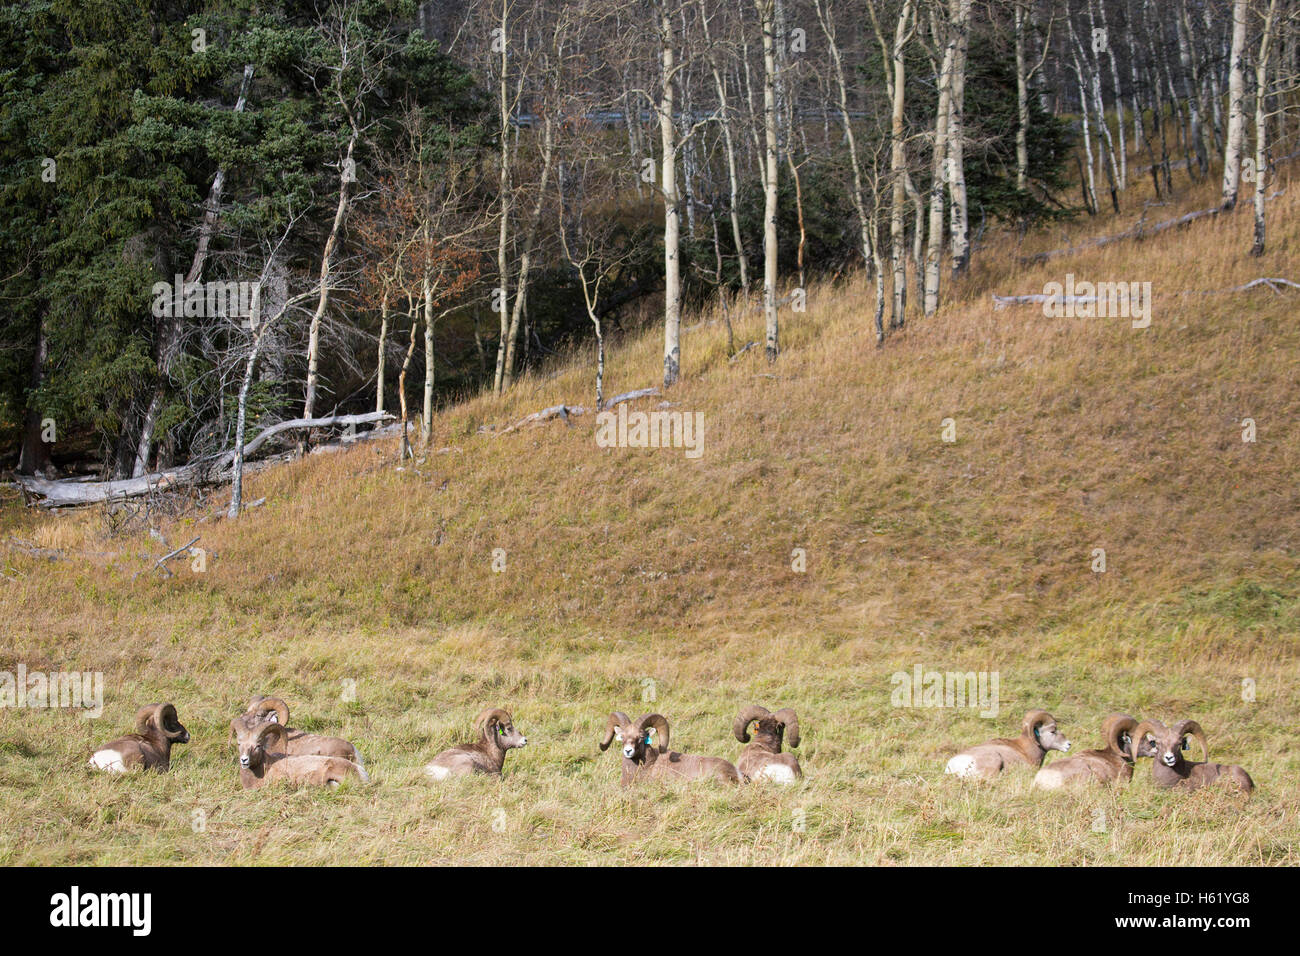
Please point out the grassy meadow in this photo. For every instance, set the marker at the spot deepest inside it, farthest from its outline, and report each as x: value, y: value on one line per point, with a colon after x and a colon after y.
x: 637, y: 580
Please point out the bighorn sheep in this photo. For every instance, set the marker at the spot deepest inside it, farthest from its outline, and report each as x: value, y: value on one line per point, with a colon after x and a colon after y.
x: 262, y: 760
x: 497, y: 734
x: 263, y: 710
x: 762, y: 759
x: 1165, y: 746
x: 1038, y: 734
x: 156, y: 729
x: 1113, y: 762
x: 646, y: 756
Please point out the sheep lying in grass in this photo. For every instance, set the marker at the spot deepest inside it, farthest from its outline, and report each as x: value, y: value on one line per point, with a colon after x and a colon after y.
x: 1165, y: 746
x: 264, y: 710
x: 1038, y: 734
x: 646, y: 753
x: 262, y: 760
x: 497, y: 734
x: 1112, y: 763
x: 763, y: 759
x: 150, y: 747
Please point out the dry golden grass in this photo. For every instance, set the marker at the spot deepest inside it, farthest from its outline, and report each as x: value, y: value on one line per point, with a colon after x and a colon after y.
x: 628, y: 566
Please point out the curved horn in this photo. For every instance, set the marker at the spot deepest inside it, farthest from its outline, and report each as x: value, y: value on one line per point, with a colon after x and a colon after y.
x: 616, y: 719
x: 786, y: 716
x: 1184, y: 727
x: 746, y: 717
x: 167, y: 714
x: 1113, y: 730
x: 660, y: 724
x: 1033, y: 720
x: 271, y: 730
x: 264, y: 705
x: 484, y: 719
x: 144, y: 715
x: 1140, y: 732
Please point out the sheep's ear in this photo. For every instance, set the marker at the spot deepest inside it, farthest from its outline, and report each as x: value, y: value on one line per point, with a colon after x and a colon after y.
x: 618, y: 733
x: 649, y: 733
x: 1186, y: 742
x: 272, y: 718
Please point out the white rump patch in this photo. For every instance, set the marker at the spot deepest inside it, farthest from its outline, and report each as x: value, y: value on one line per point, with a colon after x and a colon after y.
x: 109, y: 760
x: 356, y: 759
x: 1049, y: 779
x: 361, y: 772
x: 436, y: 772
x: 963, y: 765
x: 778, y: 773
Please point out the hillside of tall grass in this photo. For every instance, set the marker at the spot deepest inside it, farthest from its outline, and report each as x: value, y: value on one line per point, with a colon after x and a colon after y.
x: 364, y: 591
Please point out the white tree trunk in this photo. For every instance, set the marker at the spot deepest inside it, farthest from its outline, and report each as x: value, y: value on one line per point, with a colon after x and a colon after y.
x: 501, y: 297
x: 672, y: 212
x: 379, y: 358
x: 1261, y: 126
x: 865, y: 225
x: 1090, y: 181
x: 898, y: 168
x: 1022, y: 101
x: 729, y: 147
x: 940, y: 170
x: 1109, y: 49
x: 1236, y: 137
x: 1191, y: 84
x: 766, y: 13
x: 526, y: 260
x: 326, y: 261
x: 426, y: 421
x: 960, y: 12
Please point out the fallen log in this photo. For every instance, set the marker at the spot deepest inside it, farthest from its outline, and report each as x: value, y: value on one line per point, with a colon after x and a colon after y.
x: 1002, y: 301
x: 747, y: 347
x: 77, y: 491
x: 51, y: 554
x: 631, y: 396
x: 1140, y: 231
x: 61, y: 493
x: 266, y: 434
x: 555, y: 411
x: 161, y: 563
x: 566, y: 411
x: 1270, y: 283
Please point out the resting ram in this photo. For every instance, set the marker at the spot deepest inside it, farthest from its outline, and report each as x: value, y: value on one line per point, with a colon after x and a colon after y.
x: 646, y: 754
x: 264, y: 710
x: 1038, y: 734
x: 262, y: 760
x: 1112, y: 763
x: 763, y: 759
x: 156, y: 728
x: 497, y: 734
x: 1165, y: 746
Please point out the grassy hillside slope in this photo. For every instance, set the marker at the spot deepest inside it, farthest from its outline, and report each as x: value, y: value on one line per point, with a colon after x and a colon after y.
x: 637, y: 579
